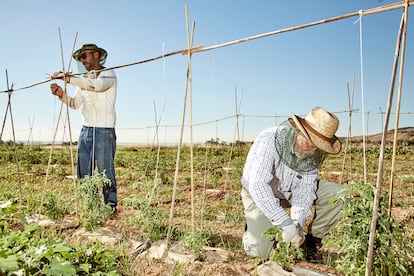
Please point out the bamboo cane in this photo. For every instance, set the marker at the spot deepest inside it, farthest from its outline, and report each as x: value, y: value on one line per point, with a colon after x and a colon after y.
x: 177, y: 162
x: 72, y: 161
x: 328, y: 20
x: 396, y: 56
x: 201, y: 48
x: 190, y: 37
x: 398, y: 110
x: 7, y: 107
x: 400, y: 40
x: 349, y: 136
x: 236, y: 132
x: 14, y: 138
x: 55, y: 133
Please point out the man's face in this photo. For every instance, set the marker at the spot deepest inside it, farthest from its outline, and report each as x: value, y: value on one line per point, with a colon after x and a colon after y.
x: 303, y: 147
x: 90, y: 60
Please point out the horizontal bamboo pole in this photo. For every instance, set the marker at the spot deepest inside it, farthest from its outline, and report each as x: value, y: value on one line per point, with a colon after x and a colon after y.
x: 200, y: 48
x: 328, y: 20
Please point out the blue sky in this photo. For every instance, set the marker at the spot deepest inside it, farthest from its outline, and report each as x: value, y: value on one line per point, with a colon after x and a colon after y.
x: 272, y: 76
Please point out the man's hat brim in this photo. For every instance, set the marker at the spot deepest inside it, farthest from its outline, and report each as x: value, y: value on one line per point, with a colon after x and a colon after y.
x: 90, y: 47
x: 332, y: 146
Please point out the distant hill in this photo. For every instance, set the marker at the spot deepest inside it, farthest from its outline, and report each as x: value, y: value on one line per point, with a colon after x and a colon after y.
x: 405, y: 134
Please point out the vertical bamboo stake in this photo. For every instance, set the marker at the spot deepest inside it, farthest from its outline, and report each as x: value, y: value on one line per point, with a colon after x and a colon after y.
x: 236, y: 130
x: 190, y: 38
x: 155, y: 139
x: 72, y: 162
x: 5, y: 115
x: 237, y: 113
x: 30, y: 138
x: 157, y: 163
x: 243, y: 124
x: 14, y: 136
x: 362, y: 97
x: 396, y: 56
x: 397, y: 115
x: 157, y: 143
x: 368, y: 268
x: 349, y: 136
x: 177, y: 162
x: 54, y: 139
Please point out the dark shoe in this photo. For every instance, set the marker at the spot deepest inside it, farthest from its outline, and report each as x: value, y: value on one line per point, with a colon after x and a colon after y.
x: 113, y: 208
x: 312, y: 247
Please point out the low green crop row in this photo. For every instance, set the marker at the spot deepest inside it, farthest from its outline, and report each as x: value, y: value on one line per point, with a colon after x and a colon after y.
x: 28, y: 253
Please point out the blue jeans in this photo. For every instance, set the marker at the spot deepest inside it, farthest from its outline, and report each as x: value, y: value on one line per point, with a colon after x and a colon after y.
x: 96, y: 148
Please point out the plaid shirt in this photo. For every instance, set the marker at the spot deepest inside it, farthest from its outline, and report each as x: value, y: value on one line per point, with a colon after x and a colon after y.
x: 268, y: 180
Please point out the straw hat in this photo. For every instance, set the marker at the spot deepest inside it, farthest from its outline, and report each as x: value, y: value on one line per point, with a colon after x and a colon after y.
x: 319, y: 126
x: 91, y: 47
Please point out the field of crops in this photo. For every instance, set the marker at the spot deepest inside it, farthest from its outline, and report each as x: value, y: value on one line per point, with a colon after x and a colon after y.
x: 38, y: 180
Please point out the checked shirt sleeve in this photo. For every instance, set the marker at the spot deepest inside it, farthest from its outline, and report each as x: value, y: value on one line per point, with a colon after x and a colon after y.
x: 258, y: 174
x: 303, y: 196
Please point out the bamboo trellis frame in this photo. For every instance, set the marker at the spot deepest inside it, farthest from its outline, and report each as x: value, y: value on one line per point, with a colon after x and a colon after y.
x: 9, y: 110
x: 55, y: 133
x: 191, y: 50
x: 201, y: 48
x: 401, y: 42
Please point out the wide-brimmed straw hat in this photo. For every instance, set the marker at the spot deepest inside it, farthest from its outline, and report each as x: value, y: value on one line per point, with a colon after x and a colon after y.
x: 91, y: 47
x: 319, y: 126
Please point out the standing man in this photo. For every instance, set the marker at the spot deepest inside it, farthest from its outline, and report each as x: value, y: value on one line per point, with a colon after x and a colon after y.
x: 282, y: 168
x: 96, y: 94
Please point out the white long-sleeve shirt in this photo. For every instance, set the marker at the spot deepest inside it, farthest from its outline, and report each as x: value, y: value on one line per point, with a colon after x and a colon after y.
x: 265, y: 170
x: 97, y: 94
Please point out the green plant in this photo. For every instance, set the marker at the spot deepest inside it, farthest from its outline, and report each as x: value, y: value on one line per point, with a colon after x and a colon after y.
x: 195, y: 242
x: 177, y: 269
x: 152, y: 220
x: 145, y: 201
x: 28, y: 253
x: 92, y: 208
x: 283, y: 253
x: 52, y: 206
x: 392, y: 250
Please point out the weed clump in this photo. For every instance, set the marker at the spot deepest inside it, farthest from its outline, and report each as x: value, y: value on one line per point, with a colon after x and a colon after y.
x: 92, y: 208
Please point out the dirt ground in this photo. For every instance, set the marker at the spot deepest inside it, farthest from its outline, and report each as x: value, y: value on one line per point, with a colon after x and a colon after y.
x: 240, y: 263
x: 237, y: 262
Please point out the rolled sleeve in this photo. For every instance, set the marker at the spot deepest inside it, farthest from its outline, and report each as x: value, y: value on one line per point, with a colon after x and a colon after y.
x: 95, y: 82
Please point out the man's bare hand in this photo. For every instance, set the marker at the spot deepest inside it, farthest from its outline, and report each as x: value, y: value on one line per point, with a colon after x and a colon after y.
x: 58, y: 75
x: 56, y: 90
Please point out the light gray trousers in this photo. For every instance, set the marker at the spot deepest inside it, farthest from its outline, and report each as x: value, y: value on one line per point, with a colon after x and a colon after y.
x: 325, y: 218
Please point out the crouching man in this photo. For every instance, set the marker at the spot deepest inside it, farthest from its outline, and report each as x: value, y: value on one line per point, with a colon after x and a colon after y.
x: 282, y: 168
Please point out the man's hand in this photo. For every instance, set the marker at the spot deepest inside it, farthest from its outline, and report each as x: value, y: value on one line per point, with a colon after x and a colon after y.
x: 293, y: 235
x: 59, y: 75
x: 56, y: 90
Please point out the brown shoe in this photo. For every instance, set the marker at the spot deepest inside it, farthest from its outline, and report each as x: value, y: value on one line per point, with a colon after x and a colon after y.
x: 312, y: 247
